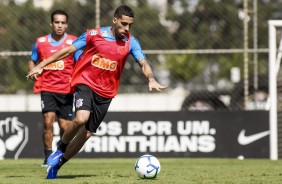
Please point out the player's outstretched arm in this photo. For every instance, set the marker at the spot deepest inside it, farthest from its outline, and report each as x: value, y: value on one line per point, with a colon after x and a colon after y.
x: 61, y: 54
x: 147, y: 71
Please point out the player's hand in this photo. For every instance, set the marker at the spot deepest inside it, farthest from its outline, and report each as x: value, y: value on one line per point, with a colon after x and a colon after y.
x: 32, y: 75
x: 153, y: 84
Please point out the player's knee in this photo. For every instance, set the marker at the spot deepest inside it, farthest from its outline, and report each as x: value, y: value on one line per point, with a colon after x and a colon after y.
x: 79, y: 121
x: 81, y: 118
x: 48, y: 125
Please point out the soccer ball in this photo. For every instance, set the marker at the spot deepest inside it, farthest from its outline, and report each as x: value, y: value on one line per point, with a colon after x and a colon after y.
x: 147, y: 167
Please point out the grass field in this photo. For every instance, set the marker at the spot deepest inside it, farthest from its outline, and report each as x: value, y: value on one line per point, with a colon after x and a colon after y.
x: 174, y: 170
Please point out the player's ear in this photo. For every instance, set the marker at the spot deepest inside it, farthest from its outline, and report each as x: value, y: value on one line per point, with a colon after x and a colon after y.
x: 51, y: 25
x: 114, y: 20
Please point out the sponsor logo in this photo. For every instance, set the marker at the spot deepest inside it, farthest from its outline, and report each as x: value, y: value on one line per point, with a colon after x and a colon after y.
x: 13, y: 137
x: 245, y: 140
x: 105, y: 34
x: 69, y: 42
x: 42, y: 39
x: 93, y: 32
x: 103, y: 63
x: 58, y: 65
x: 53, y: 51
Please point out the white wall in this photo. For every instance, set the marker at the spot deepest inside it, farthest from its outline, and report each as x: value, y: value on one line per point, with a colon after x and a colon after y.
x: 163, y: 101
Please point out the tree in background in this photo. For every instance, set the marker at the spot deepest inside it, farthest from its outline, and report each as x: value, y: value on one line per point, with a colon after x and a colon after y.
x: 18, y: 34
x: 216, y: 25
x: 208, y: 25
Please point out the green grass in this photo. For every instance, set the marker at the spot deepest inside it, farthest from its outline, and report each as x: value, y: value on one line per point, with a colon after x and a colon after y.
x: 174, y: 171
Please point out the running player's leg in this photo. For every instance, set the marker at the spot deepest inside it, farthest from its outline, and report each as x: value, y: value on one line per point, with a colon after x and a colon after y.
x: 81, y: 118
x: 83, y: 103
x: 72, y: 141
x: 91, y: 109
x: 69, y: 134
x: 75, y: 145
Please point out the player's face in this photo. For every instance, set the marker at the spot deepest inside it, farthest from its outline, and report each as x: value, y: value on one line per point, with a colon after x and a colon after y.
x: 122, y: 26
x: 59, y: 25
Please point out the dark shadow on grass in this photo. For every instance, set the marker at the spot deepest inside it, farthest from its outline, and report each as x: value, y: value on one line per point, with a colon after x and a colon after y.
x: 121, y: 176
x: 75, y: 176
x: 146, y: 179
x: 14, y: 176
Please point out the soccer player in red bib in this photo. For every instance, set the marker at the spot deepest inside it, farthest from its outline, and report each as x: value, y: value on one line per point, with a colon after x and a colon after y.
x: 54, y: 82
x: 96, y: 79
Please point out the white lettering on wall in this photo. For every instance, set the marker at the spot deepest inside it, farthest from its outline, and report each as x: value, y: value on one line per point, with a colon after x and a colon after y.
x: 149, y: 127
x: 151, y: 136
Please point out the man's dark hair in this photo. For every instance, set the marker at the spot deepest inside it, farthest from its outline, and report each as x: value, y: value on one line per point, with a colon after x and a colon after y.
x: 60, y: 12
x: 123, y: 10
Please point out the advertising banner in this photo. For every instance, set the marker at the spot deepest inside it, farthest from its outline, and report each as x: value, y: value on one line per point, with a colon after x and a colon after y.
x: 243, y: 134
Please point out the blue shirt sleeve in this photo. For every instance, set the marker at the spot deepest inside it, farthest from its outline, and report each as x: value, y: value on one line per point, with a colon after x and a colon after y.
x: 80, y: 42
x: 34, y: 54
x: 135, y: 49
x: 77, y: 54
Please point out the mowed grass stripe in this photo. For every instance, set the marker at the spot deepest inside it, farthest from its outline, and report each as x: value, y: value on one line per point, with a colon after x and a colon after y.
x: 121, y: 170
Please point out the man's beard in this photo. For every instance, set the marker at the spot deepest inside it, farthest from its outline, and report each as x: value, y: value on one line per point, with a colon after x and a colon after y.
x: 119, y: 35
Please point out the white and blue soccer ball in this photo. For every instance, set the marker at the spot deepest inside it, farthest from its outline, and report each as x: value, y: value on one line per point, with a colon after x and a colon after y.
x: 147, y: 167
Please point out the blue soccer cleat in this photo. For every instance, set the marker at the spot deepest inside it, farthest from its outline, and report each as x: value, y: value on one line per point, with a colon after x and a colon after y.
x: 52, y: 172
x: 54, y: 158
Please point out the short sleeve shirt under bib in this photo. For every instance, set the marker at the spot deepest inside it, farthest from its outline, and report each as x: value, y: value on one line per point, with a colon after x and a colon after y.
x: 56, y: 76
x: 102, y: 61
